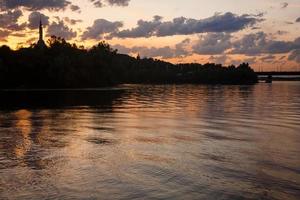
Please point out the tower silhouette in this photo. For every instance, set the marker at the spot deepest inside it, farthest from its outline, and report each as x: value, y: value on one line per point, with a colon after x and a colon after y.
x: 41, y: 44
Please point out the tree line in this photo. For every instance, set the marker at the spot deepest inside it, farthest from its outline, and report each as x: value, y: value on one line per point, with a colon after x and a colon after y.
x: 65, y: 65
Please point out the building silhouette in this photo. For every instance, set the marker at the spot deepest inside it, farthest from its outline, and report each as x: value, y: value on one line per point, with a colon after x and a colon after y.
x: 41, y: 44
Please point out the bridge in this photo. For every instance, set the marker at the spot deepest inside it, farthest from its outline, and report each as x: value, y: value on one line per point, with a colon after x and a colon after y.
x: 279, y: 76
x: 276, y: 73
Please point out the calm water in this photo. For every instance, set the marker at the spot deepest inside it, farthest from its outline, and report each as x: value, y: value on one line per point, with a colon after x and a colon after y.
x: 152, y: 142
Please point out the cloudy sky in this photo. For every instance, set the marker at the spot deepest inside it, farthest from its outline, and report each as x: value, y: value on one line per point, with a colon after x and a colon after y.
x: 264, y: 33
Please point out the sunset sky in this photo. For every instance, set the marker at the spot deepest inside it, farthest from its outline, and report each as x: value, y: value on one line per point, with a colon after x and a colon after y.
x: 264, y: 33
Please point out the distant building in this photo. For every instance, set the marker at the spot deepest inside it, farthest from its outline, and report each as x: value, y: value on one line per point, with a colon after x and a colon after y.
x: 41, y: 44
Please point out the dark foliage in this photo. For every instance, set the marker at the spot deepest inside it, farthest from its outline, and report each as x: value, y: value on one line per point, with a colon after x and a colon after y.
x: 64, y: 65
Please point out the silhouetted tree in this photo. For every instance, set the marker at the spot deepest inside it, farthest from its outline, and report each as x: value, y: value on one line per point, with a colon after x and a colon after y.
x: 65, y: 65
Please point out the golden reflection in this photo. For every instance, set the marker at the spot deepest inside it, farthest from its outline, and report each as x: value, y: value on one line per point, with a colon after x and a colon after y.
x: 24, y: 126
x: 44, y: 133
x: 157, y: 158
x: 154, y: 140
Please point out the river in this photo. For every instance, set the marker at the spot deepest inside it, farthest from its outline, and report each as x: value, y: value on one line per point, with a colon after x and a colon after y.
x: 152, y: 142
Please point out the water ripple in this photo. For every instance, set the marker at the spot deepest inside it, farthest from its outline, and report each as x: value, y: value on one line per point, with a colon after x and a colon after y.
x: 153, y: 142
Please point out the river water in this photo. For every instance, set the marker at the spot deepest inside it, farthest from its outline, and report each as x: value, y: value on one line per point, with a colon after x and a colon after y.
x: 152, y: 142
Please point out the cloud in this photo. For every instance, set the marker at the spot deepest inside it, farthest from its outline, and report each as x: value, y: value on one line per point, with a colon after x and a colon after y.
x: 34, y: 5
x: 268, y: 58
x: 9, y: 20
x: 218, y: 59
x: 227, y: 60
x: 219, y: 44
x: 162, y: 52
x: 280, y: 32
x: 298, y: 19
x: 4, y: 34
x: 289, y: 23
x: 212, y: 43
x: 118, y: 2
x: 100, y: 27
x: 284, y: 5
x: 227, y: 22
x: 181, y: 49
x: 72, y: 21
x: 59, y: 29
x: 276, y: 47
x: 34, y: 20
x: 144, y: 29
x: 295, y: 56
x: 75, y: 8
x: 18, y: 34
x: 258, y: 43
x: 250, y: 44
x: 250, y: 60
x: 99, y: 3
x: 282, y: 57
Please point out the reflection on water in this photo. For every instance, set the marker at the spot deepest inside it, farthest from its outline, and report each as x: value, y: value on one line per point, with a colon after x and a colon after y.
x: 152, y: 142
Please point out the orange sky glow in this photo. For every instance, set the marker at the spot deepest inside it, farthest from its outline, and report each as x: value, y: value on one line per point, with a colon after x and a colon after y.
x: 264, y: 33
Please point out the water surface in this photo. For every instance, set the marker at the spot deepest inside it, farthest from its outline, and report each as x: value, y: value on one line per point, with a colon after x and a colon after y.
x: 152, y: 142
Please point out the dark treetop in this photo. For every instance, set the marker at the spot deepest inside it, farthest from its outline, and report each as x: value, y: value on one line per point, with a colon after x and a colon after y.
x: 64, y: 65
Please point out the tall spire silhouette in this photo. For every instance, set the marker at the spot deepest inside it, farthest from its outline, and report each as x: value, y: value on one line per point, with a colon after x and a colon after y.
x: 41, y: 29
x: 41, y: 43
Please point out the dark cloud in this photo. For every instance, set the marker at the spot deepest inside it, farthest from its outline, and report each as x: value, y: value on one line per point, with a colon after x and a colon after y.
x: 34, y: 4
x: 100, y: 27
x: 280, y: 32
x: 72, y: 21
x: 144, y: 29
x: 275, y: 47
x: 284, y: 5
x: 118, y: 2
x: 250, y: 44
x: 298, y: 19
x: 289, y: 23
x: 99, y: 3
x: 212, y: 43
x: 258, y: 43
x: 59, y: 29
x: 256, y: 28
x: 181, y: 48
x: 34, y: 20
x: 219, y: 44
x: 227, y: 22
x: 282, y: 57
x: 18, y: 34
x: 75, y: 8
x: 9, y: 20
x: 4, y: 34
x: 295, y: 56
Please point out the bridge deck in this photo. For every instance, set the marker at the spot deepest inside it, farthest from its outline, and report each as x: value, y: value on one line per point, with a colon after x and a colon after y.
x: 278, y: 73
